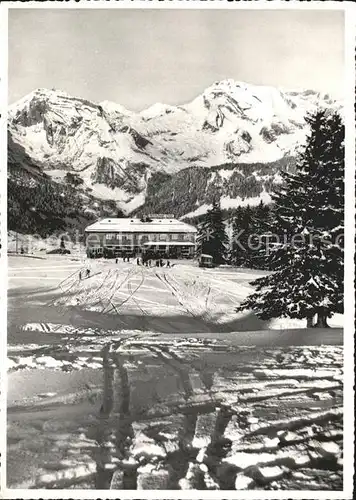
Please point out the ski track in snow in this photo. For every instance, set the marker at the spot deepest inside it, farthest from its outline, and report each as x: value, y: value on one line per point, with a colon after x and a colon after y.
x: 291, y: 419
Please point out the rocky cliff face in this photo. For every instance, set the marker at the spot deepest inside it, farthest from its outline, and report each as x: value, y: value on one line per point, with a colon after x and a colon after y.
x: 118, y: 153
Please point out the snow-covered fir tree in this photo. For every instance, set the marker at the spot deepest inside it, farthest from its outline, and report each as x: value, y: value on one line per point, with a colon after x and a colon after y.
x: 236, y: 223
x: 212, y: 238
x: 308, y: 265
x: 248, y: 227
x: 240, y: 254
x: 260, y: 226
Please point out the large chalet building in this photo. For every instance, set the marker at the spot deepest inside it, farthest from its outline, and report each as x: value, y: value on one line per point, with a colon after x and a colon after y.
x: 156, y: 235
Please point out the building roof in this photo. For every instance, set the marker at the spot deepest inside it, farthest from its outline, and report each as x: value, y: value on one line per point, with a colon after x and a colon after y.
x: 133, y: 225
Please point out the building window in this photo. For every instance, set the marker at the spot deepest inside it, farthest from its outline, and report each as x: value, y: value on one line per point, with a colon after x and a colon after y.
x: 162, y: 237
x: 174, y: 237
x: 109, y: 237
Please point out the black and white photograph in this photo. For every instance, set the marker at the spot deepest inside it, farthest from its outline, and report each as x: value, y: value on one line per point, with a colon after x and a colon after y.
x: 179, y: 307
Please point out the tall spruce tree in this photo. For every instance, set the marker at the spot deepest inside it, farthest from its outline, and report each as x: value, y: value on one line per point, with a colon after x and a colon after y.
x: 235, y: 250
x: 308, y: 265
x: 261, y: 224
x: 212, y: 238
x: 241, y: 254
x: 260, y: 218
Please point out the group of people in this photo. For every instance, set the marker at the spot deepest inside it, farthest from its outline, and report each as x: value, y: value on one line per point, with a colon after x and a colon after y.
x: 141, y: 261
x: 149, y: 262
x: 125, y: 258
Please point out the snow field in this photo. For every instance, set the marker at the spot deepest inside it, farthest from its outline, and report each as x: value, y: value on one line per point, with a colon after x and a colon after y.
x: 216, y: 400
x: 133, y: 408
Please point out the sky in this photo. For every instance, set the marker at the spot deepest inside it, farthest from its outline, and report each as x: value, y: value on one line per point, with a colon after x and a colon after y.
x: 137, y: 57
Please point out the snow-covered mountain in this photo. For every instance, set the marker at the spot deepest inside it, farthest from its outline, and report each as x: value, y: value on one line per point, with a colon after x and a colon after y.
x: 118, y: 153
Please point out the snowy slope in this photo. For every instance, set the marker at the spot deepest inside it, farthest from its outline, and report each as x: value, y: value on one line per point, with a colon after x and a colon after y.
x: 116, y: 151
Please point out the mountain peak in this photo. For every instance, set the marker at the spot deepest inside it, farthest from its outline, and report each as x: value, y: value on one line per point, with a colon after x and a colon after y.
x: 157, y: 109
x: 116, y: 151
x: 113, y: 107
x: 40, y: 94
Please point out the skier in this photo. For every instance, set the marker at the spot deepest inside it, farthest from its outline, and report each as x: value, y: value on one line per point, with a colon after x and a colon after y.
x: 168, y: 263
x: 138, y: 261
x: 116, y: 260
x: 88, y: 273
x: 80, y: 275
x: 161, y: 263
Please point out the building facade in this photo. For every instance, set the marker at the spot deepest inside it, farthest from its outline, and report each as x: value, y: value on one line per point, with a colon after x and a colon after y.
x: 131, y: 236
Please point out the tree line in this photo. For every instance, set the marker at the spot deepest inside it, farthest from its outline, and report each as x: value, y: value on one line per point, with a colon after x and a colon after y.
x: 44, y: 207
x: 180, y: 193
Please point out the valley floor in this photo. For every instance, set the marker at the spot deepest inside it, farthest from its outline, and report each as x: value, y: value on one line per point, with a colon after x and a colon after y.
x: 146, y: 378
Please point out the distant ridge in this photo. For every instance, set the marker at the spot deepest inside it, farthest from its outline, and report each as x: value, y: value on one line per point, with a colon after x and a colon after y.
x: 125, y: 156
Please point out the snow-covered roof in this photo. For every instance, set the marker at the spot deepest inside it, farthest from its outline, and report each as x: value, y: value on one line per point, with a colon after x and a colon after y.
x: 132, y: 225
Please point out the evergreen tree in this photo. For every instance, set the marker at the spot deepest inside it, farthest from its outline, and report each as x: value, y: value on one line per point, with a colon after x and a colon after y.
x: 260, y: 218
x: 240, y: 249
x: 261, y: 227
x: 212, y: 238
x: 309, y: 209
x: 235, y: 250
x: 120, y: 214
x: 73, y: 179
